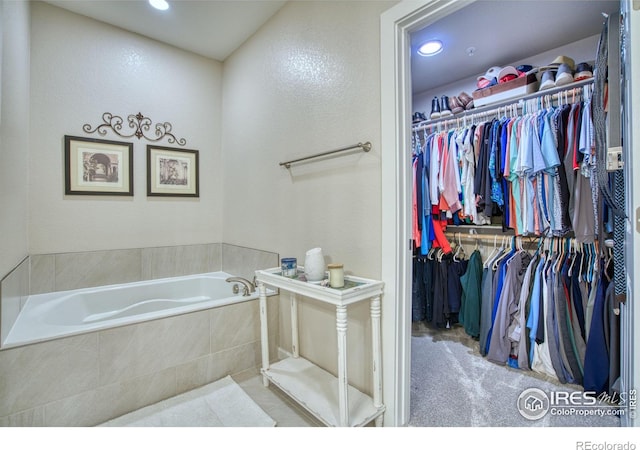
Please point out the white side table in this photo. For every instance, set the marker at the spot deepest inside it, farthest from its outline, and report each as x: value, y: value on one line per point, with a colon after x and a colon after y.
x: 331, y: 400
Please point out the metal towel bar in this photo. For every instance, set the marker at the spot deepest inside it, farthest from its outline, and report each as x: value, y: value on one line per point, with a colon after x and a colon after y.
x: 365, y: 147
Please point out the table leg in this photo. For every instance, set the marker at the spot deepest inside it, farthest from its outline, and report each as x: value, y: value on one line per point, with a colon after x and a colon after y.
x: 377, y: 356
x: 294, y: 325
x: 264, y: 331
x: 341, y: 327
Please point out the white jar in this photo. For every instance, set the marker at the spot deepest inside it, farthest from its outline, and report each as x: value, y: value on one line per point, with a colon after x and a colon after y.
x: 336, y: 275
x: 314, y: 267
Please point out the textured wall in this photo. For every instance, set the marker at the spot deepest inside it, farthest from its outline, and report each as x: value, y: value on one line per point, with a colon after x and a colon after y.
x: 14, y: 132
x: 308, y: 82
x: 81, y: 68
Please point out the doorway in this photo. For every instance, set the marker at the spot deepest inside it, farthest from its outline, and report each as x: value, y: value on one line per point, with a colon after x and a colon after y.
x: 396, y: 26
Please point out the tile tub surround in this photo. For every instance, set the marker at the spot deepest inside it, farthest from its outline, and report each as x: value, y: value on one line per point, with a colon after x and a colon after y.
x: 87, y: 379
x: 14, y: 290
x: 65, y: 271
x: 39, y: 274
x: 90, y: 378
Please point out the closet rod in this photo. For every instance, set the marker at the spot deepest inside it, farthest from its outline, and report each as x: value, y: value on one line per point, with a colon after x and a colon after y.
x: 497, y: 107
x: 365, y: 147
x: 454, y: 237
x: 474, y: 230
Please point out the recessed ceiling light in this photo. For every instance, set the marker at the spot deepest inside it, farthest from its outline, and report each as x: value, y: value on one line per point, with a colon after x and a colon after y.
x: 430, y: 48
x: 162, y: 5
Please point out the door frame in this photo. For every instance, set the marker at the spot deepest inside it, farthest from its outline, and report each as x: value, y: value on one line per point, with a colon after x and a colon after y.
x: 395, y: 76
x: 630, y: 313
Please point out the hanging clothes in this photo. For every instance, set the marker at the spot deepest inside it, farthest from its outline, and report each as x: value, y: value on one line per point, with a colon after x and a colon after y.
x: 536, y: 173
x: 471, y: 284
x: 535, y: 170
x: 507, y: 307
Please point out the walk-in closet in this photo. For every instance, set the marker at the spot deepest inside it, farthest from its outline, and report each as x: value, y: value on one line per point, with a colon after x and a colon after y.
x: 517, y: 215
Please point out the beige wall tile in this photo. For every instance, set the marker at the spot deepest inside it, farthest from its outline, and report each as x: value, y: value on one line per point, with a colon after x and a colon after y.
x: 214, y: 366
x: 35, y: 374
x: 30, y: 418
x: 88, y: 269
x: 134, y: 350
x: 234, y: 325
x: 14, y: 289
x: 43, y: 274
x: 108, y: 402
x: 162, y: 262
x: 243, y: 261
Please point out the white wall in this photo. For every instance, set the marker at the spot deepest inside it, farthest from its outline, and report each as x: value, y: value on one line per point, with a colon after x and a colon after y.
x: 308, y: 82
x: 14, y: 132
x: 81, y: 68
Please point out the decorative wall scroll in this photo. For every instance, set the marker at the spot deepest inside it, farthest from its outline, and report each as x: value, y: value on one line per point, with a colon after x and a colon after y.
x: 97, y: 167
x: 172, y: 172
x: 138, y: 124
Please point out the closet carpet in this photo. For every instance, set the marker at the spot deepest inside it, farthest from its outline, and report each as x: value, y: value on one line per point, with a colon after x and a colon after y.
x: 452, y: 385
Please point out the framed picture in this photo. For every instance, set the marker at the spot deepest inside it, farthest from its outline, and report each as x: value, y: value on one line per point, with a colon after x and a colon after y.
x: 97, y: 167
x: 172, y: 172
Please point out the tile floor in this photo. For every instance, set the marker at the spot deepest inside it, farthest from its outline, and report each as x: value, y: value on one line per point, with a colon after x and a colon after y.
x: 276, y: 404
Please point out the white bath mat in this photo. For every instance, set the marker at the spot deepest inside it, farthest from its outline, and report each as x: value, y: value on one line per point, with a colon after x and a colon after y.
x: 220, y: 404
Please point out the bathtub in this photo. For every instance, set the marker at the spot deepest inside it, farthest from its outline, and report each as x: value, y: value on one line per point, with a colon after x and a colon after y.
x: 65, y: 313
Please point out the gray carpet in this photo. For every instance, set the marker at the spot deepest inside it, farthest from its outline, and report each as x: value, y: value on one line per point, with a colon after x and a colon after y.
x: 452, y: 385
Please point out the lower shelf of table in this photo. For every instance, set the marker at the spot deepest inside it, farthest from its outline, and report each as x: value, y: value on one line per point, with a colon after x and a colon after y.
x: 316, y: 390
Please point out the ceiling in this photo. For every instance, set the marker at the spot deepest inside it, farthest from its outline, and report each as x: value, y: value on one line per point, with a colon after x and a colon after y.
x: 214, y: 29
x: 500, y: 30
x: 210, y: 28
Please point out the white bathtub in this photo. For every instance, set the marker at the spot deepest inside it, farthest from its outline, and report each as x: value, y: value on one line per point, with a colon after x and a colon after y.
x: 66, y: 313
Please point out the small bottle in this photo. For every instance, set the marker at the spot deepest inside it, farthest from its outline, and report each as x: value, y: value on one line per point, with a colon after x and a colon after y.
x: 336, y: 275
x: 289, y: 267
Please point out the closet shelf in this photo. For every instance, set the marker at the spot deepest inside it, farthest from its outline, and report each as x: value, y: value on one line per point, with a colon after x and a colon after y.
x: 498, y: 107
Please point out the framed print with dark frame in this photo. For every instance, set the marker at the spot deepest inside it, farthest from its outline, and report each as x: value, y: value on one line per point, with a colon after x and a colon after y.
x: 97, y: 167
x: 172, y: 172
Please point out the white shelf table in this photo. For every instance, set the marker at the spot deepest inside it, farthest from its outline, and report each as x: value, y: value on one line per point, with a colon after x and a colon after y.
x: 328, y: 398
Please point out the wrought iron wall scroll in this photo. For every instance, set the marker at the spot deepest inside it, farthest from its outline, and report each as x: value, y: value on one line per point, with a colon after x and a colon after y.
x: 140, y: 126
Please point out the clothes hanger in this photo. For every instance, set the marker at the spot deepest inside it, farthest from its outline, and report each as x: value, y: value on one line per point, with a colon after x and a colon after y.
x: 584, y: 262
x: 514, y: 250
x: 608, y: 259
x: 505, y: 252
x: 574, y: 255
x: 493, y: 251
x: 454, y: 247
x: 553, y: 254
x: 474, y: 233
x: 561, y: 257
x: 459, y: 249
x: 592, y: 263
x: 540, y: 242
x: 585, y: 273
